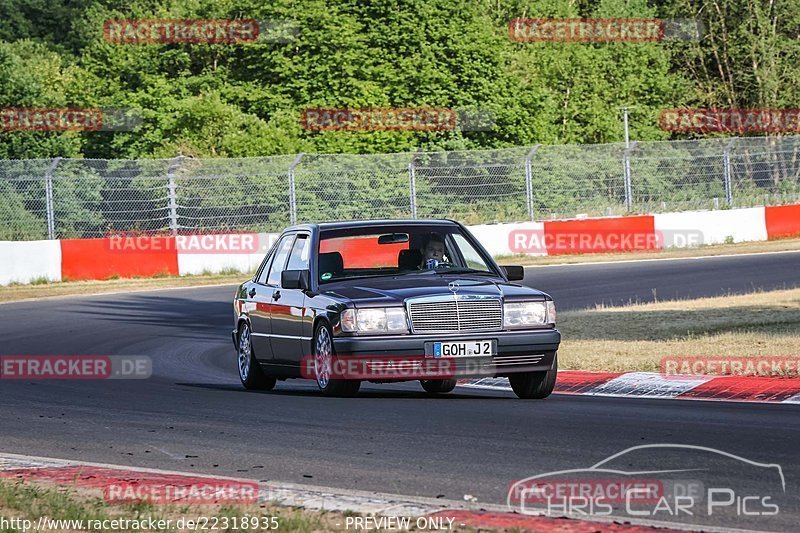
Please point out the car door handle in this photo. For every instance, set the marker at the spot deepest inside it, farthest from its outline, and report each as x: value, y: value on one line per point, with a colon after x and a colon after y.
x: 252, y: 292
x: 276, y: 295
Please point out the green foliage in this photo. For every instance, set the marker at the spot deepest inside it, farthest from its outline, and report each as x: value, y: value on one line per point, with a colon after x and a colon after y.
x: 33, y: 76
x: 18, y: 222
x: 246, y: 99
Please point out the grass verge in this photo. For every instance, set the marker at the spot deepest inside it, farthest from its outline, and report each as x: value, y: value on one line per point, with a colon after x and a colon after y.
x: 634, y: 338
x: 43, y: 288
x: 31, y: 501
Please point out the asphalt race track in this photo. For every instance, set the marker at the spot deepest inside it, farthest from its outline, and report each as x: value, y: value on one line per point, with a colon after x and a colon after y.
x: 193, y: 415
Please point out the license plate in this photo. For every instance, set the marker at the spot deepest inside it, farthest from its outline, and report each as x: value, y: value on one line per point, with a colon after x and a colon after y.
x: 464, y: 349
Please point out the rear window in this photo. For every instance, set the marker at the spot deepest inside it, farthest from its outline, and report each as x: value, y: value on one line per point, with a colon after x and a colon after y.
x: 364, y: 251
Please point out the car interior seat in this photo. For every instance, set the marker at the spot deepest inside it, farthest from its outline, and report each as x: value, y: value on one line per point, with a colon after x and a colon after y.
x: 331, y: 263
x: 409, y: 259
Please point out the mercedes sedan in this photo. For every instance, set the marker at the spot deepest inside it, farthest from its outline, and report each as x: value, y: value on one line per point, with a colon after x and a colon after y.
x: 389, y: 301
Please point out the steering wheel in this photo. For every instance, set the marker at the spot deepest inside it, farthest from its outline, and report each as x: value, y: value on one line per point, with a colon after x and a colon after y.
x: 441, y: 264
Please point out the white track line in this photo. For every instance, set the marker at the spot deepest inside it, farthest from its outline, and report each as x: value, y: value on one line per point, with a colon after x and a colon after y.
x: 646, y: 385
x: 694, y: 257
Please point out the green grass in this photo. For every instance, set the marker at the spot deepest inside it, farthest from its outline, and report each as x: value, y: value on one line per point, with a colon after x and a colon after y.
x: 32, y: 501
x: 635, y: 337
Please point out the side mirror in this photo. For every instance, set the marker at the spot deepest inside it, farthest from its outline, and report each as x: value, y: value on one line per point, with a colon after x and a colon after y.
x: 514, y: 273
x: 296, y: 279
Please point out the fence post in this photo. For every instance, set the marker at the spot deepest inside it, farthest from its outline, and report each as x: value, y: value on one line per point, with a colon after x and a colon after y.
x: 626, y: 162
x: 412, y: 176
x: 48, y: 198
x: 172, y: 197
x: 292, y: 191
x: 529, y: 179
x: 726, y: 171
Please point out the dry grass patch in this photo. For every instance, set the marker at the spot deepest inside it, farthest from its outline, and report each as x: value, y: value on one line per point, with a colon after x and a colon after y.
x: 636, y: 337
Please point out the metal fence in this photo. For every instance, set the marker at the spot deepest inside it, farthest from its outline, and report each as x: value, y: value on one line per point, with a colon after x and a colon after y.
x: 70, y: 198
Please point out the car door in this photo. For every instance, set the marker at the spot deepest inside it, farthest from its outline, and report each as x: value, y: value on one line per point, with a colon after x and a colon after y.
x: 262, y: 293
x: 288, y: 309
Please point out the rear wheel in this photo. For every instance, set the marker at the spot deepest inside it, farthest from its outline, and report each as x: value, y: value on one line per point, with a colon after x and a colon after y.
x: 323, y: 366
x: 253, y: 378
x: 438, y: 386
x: 535, y: 385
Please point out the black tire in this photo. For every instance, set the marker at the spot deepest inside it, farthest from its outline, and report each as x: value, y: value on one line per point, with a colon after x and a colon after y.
x: 250, y: 372
x: 535, y: 385
x: 322, y: 347
x: 438, y: 386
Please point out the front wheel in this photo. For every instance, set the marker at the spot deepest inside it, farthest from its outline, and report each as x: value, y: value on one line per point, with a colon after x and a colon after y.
x: 324, y: 366
x: 535, y: 385
x: 438, y: 386
x: 253, y: 378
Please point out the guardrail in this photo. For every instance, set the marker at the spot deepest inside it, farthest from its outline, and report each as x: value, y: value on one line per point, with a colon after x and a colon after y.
x: 158, y: 255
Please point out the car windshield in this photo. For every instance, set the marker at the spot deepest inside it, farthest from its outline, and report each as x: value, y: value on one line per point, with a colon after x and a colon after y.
x: 398, y: 250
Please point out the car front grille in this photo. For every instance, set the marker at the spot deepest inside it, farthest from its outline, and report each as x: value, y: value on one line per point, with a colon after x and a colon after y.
x: 460, y: 313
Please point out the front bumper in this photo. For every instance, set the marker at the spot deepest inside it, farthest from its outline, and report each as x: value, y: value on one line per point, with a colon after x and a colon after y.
x: 517, y: 351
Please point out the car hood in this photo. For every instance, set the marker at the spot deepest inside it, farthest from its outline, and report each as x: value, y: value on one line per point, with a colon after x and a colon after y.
x: 372, y: 292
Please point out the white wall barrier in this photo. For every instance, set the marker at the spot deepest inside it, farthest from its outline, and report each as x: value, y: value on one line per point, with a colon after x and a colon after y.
x: 713, y: 227
x: 192, y: 261
x: 494, y: 237
x: 26, y: 261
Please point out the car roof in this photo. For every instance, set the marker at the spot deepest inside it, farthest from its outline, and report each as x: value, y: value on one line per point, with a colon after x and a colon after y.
x: 323, y: 226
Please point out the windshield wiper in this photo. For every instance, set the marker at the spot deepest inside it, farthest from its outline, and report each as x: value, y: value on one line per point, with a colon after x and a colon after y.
x: 445, y: 270
x: 363, y: 276
x: 464, y: 270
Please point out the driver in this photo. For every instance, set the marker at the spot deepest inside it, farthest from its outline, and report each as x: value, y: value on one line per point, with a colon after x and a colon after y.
x: 432, y: 251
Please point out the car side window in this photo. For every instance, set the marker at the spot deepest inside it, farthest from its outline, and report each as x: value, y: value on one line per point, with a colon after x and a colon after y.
x: 471, y: 256
x: 298, y: 260
x: 281, y: 252
x: 263, y: 269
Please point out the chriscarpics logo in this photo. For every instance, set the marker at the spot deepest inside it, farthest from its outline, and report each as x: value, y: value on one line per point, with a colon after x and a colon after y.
x: 664, y: 482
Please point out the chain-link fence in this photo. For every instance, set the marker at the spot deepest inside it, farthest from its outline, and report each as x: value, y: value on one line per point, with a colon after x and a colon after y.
x: 72, y: 198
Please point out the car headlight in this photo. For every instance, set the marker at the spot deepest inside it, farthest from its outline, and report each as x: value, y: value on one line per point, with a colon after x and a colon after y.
x: 551, y: 312
x: 525, y: 314
x: 375, y: 320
